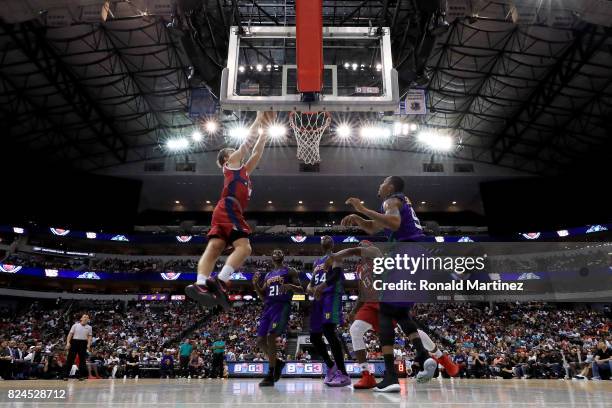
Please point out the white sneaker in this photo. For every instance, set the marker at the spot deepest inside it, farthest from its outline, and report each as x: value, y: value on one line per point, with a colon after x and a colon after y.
x: 136, y: 377
x: 189, y: 377
x: 124, y: 377
x: 429, y: 369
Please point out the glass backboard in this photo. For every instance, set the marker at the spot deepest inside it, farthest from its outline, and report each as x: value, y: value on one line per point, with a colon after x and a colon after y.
x: 261, y: 72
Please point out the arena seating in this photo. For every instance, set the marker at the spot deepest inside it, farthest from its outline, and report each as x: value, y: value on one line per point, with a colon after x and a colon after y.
x: 506, y: 340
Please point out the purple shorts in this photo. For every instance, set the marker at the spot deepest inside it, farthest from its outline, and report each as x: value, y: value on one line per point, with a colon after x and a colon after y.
x: 274, y: 318
x: 325, y: 311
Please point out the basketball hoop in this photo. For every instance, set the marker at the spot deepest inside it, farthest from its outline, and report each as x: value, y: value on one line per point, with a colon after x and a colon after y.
x: 309, y: 128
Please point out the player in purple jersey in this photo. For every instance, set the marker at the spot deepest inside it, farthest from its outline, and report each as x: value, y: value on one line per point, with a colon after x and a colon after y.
x: 276, y: 291
x: 396, y: 217
x: 400, y: 223
x: 326, y: 286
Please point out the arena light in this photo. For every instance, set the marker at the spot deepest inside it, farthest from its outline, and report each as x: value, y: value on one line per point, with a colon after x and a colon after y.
x: 423, y: 202
x: 207, y: 201
x: 347, y: 65
x: 435, y: 141
x: 300, y: 202
x: 277, y: 131
x: 397, y: 128
x: 374, y: 132
x: 211, y: 126
x: 241, y: 69
x: 197, y: 136
x: 355, y: 66
x: 413, y: 127
x: 238, y: 133
x: 343, y: 131
x: 378, y: 67
x: 454, y: 203
x: 259, y: 67
x: 405, y: 129
x: 177, y: 144
x: 177, y: 202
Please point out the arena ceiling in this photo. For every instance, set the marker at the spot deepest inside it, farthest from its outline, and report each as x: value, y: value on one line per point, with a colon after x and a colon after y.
x: 523, y: 92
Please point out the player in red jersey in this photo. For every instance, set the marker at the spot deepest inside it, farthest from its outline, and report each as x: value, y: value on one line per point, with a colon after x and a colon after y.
x: 365, y: 317
x: 228, y: 227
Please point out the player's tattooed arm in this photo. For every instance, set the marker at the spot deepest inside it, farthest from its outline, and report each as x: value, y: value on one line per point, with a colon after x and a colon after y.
x: 335, y: 259
x: 355, y: 309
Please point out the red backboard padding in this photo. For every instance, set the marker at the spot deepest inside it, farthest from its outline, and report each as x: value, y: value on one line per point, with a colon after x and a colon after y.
x: 309, y: 44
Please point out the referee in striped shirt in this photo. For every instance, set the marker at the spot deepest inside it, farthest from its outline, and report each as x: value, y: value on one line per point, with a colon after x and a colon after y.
x: 79, y: 342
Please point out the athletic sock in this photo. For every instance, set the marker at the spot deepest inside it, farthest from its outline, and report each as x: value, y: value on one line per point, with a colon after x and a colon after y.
x: 389, y: 366
x: 201, y: 280
x: 226, y: 273
x: 426, y: 340
x: 429, y: 344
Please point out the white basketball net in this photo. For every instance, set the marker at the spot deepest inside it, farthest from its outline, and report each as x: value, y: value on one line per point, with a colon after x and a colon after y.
x: 308, y: 128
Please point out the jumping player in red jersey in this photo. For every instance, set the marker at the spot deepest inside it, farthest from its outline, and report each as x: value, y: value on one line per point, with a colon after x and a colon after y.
x: 228, y: 225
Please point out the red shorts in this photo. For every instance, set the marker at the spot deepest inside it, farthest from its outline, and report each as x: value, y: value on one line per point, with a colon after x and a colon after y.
x: 228, y: 223
x: 368, y: 312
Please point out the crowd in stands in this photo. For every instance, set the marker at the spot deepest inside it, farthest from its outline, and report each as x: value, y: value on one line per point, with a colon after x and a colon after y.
x: 527, y: 340
x: 516, y: 340
x: 46, y: 261
x: 128, y: 265
x: 558, y: 262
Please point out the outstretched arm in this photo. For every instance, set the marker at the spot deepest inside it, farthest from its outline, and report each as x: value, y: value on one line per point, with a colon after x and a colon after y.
x: 238, y: 156
x: 256, y: 154
x: 390, y: 219
x: 369, y: 226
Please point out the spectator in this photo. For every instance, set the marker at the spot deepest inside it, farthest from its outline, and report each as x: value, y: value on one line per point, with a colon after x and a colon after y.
x: 132, y: 365
x: 35, y: 360
x: 6, y: 361
x: 195, y: 365
x: 218, y: 358
x: 166, y: 365
x: 112, y: 363
x: 602, y: 361
x: 185, y: 350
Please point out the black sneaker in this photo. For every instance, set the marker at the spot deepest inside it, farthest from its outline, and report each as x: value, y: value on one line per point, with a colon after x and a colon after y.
x: 201, y: 294
x: 268, y: 381
x: 278, y: 369
x: 219, y: 289
x: 388, y: 384
x: 209, y: 295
